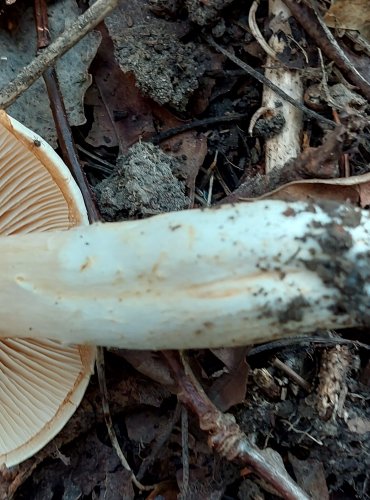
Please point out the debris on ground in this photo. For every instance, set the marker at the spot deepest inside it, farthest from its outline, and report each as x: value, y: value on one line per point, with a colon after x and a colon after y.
x: 175, y: 118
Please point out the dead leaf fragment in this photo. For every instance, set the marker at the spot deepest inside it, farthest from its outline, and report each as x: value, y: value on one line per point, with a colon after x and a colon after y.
x: 146, y: 425
x: 350, y: 15
x: 310, y: 476
x: 230, y: 388
x: 19, y: 48
x: 359, y: 425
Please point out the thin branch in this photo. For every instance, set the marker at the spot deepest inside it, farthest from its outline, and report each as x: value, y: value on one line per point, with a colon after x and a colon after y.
x: 78, y: 29
x: 309, y: 21
x: 58, y: 109
x: 290, y: 373
x: 185, y: 453
x: 336, y: 46
x: 225, y: 435
x: 265, y: 81
x: 285, y: 144
x: 108, y: 419
x: 166, y: 134
x: 253, y: 26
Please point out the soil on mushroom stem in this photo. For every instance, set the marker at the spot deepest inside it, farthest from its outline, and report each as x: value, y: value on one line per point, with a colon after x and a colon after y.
x: 321, y: 430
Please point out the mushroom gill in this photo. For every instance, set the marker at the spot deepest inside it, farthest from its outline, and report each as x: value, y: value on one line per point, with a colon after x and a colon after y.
x: 41, y: 381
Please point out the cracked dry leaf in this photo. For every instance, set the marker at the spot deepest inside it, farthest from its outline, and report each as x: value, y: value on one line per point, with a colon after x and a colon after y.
x: 18, y: 48
x: 355, y: 189
x: 350, y: 15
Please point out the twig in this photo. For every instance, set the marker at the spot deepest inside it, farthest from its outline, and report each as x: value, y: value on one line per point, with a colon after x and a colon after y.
x: 107, y: 167
x: 166, y: 134
x: 253, y: 26
x: 265, y: 81
x: 224, y: 433
x: 108, y: 419
x: 285, y: 144
x: 277, y: 345
x: 359, y: 40
x: 257, y: 115
x: 57, y: 106
x: 311, y: 24
x: 66, y: 141
x: 298, y: 431
x: 290, y: 373
x: 336, y: 46
x: 185, y: 452
x: 42, y: 29
x: 78, y: 29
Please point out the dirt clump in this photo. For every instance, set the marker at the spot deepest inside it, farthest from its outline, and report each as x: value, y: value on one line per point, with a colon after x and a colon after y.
x: 143, y: 184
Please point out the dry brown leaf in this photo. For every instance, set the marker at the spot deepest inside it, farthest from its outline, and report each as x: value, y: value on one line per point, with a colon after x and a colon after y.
x: 354, y: 190
x: 192, y: 149
x: 350, y: 14
x: 102, y: 131
x: 134, y: 117
x: 230, y: 356
x: 149, y: 363
x: 310, y: 476
x: 309, y: 177
x: 168, y: 490
x: 129, y: 112
x: 230, y: 388
x: 143, y: 426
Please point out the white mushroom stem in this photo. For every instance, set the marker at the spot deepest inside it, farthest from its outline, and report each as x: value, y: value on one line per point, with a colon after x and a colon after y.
x: 216, y: 277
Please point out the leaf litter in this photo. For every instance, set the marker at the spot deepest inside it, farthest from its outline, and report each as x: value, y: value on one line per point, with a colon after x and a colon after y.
x: 153, y: 73
x: 18, y: 49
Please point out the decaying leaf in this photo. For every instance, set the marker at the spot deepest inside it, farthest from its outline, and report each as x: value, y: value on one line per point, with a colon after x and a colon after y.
x: 359, y: 425
x: 230, y: 388
x: 316, y: 171
x: 355, y: 190
x: 146, y: 425
x: 350, y: 15
x: 149, y: 363
x: 19, y: 48
x: 122, y: 114
x: 310, y: 475
x: 128, y: 110
x: 102, y: 131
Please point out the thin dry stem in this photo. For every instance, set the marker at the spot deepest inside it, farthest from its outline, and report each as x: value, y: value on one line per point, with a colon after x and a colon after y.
x: 108, y: 419
x: 265, y: 81
x: 225, y: 436
x: 58, y: 109
x: 253, y: 26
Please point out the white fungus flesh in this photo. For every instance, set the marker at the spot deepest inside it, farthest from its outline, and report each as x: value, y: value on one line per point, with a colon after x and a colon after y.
x: 198, y: 278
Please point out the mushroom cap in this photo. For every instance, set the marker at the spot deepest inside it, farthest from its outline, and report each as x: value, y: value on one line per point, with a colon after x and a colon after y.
x: 41, y: 382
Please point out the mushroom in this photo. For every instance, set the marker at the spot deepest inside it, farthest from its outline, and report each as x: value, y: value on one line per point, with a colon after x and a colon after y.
x: 199, y: 278
x: 42, y: 381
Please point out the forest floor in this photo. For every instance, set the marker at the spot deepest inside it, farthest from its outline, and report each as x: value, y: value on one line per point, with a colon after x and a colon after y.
x: 176, y: 119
